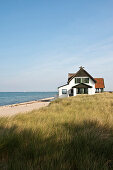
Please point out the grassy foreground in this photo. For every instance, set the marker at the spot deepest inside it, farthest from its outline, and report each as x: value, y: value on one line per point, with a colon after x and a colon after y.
x: 74, y: 133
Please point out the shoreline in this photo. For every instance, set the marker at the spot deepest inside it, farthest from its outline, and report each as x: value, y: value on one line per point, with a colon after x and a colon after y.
x: 10, y: 110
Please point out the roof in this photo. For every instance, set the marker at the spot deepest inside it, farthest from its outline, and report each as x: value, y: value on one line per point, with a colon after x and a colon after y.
x: 99, y: 83
x: 70, y: 75
x: 82, y: 85
x: 80, y: 73
x: 62, y: 85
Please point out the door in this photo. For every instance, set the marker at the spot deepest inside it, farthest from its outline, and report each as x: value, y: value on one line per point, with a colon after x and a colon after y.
x: 80, y: 90
x: 85, y: 90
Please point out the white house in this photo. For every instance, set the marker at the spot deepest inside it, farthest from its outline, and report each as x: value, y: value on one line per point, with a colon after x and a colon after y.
x: 81, y: 82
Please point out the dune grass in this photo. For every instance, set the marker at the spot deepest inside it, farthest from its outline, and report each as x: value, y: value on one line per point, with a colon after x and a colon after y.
x: 74, y: 133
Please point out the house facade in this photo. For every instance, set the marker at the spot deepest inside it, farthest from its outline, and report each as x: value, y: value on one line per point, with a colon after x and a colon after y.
x: 81, y: 82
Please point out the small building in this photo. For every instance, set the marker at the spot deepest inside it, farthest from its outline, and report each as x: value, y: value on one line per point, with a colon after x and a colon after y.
x: 99, y: 86
x: 81, y: 82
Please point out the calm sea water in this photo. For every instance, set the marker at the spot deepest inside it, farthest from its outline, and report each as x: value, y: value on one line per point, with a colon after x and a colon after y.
x: 7, y: 98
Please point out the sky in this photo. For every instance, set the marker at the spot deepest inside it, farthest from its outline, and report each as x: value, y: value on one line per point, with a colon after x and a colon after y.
x: 41, y: 41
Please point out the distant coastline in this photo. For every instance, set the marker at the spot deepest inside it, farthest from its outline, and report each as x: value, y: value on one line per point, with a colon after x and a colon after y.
x: 10, y: 98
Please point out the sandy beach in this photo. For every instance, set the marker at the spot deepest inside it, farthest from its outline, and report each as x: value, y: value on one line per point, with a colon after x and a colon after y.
x: 10, y: 110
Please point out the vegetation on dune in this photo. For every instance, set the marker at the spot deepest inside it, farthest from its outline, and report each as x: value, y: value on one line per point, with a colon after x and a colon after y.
x: 74, y: 133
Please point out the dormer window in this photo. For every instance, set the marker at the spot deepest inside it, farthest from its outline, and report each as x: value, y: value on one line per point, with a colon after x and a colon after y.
x: 81, y: 80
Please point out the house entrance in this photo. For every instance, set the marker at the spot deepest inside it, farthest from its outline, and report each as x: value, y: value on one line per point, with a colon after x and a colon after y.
x: 71, y: 93
x: 82, y: 91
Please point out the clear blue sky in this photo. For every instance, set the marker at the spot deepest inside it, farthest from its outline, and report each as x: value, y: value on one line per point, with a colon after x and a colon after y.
x: 42, y: 40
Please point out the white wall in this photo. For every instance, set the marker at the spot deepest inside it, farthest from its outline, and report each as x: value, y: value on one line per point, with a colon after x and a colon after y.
x: 74, y: 91
x: 91, y: 90
x: 60, y: 91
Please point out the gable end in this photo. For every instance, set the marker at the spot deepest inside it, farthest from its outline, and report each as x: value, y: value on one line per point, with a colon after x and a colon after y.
x: 81, y: 73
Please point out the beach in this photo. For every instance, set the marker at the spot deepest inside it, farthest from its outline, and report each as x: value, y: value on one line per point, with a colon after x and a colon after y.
x: 10, y: 110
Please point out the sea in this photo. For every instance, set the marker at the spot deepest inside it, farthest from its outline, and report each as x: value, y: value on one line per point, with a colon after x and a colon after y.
x: 9, y: 98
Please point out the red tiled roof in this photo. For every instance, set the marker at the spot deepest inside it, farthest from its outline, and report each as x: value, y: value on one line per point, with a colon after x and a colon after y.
x: 99, y: 83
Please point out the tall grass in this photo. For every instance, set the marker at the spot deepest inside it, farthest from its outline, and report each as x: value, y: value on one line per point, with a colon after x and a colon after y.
x: 74, y: 133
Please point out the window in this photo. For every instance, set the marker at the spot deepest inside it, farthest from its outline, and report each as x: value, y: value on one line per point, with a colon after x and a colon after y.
x: 64, y: 91
x: 85, y: 80
x: 82, y: 91
x: 81, y: 80
x: 77, y: 80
